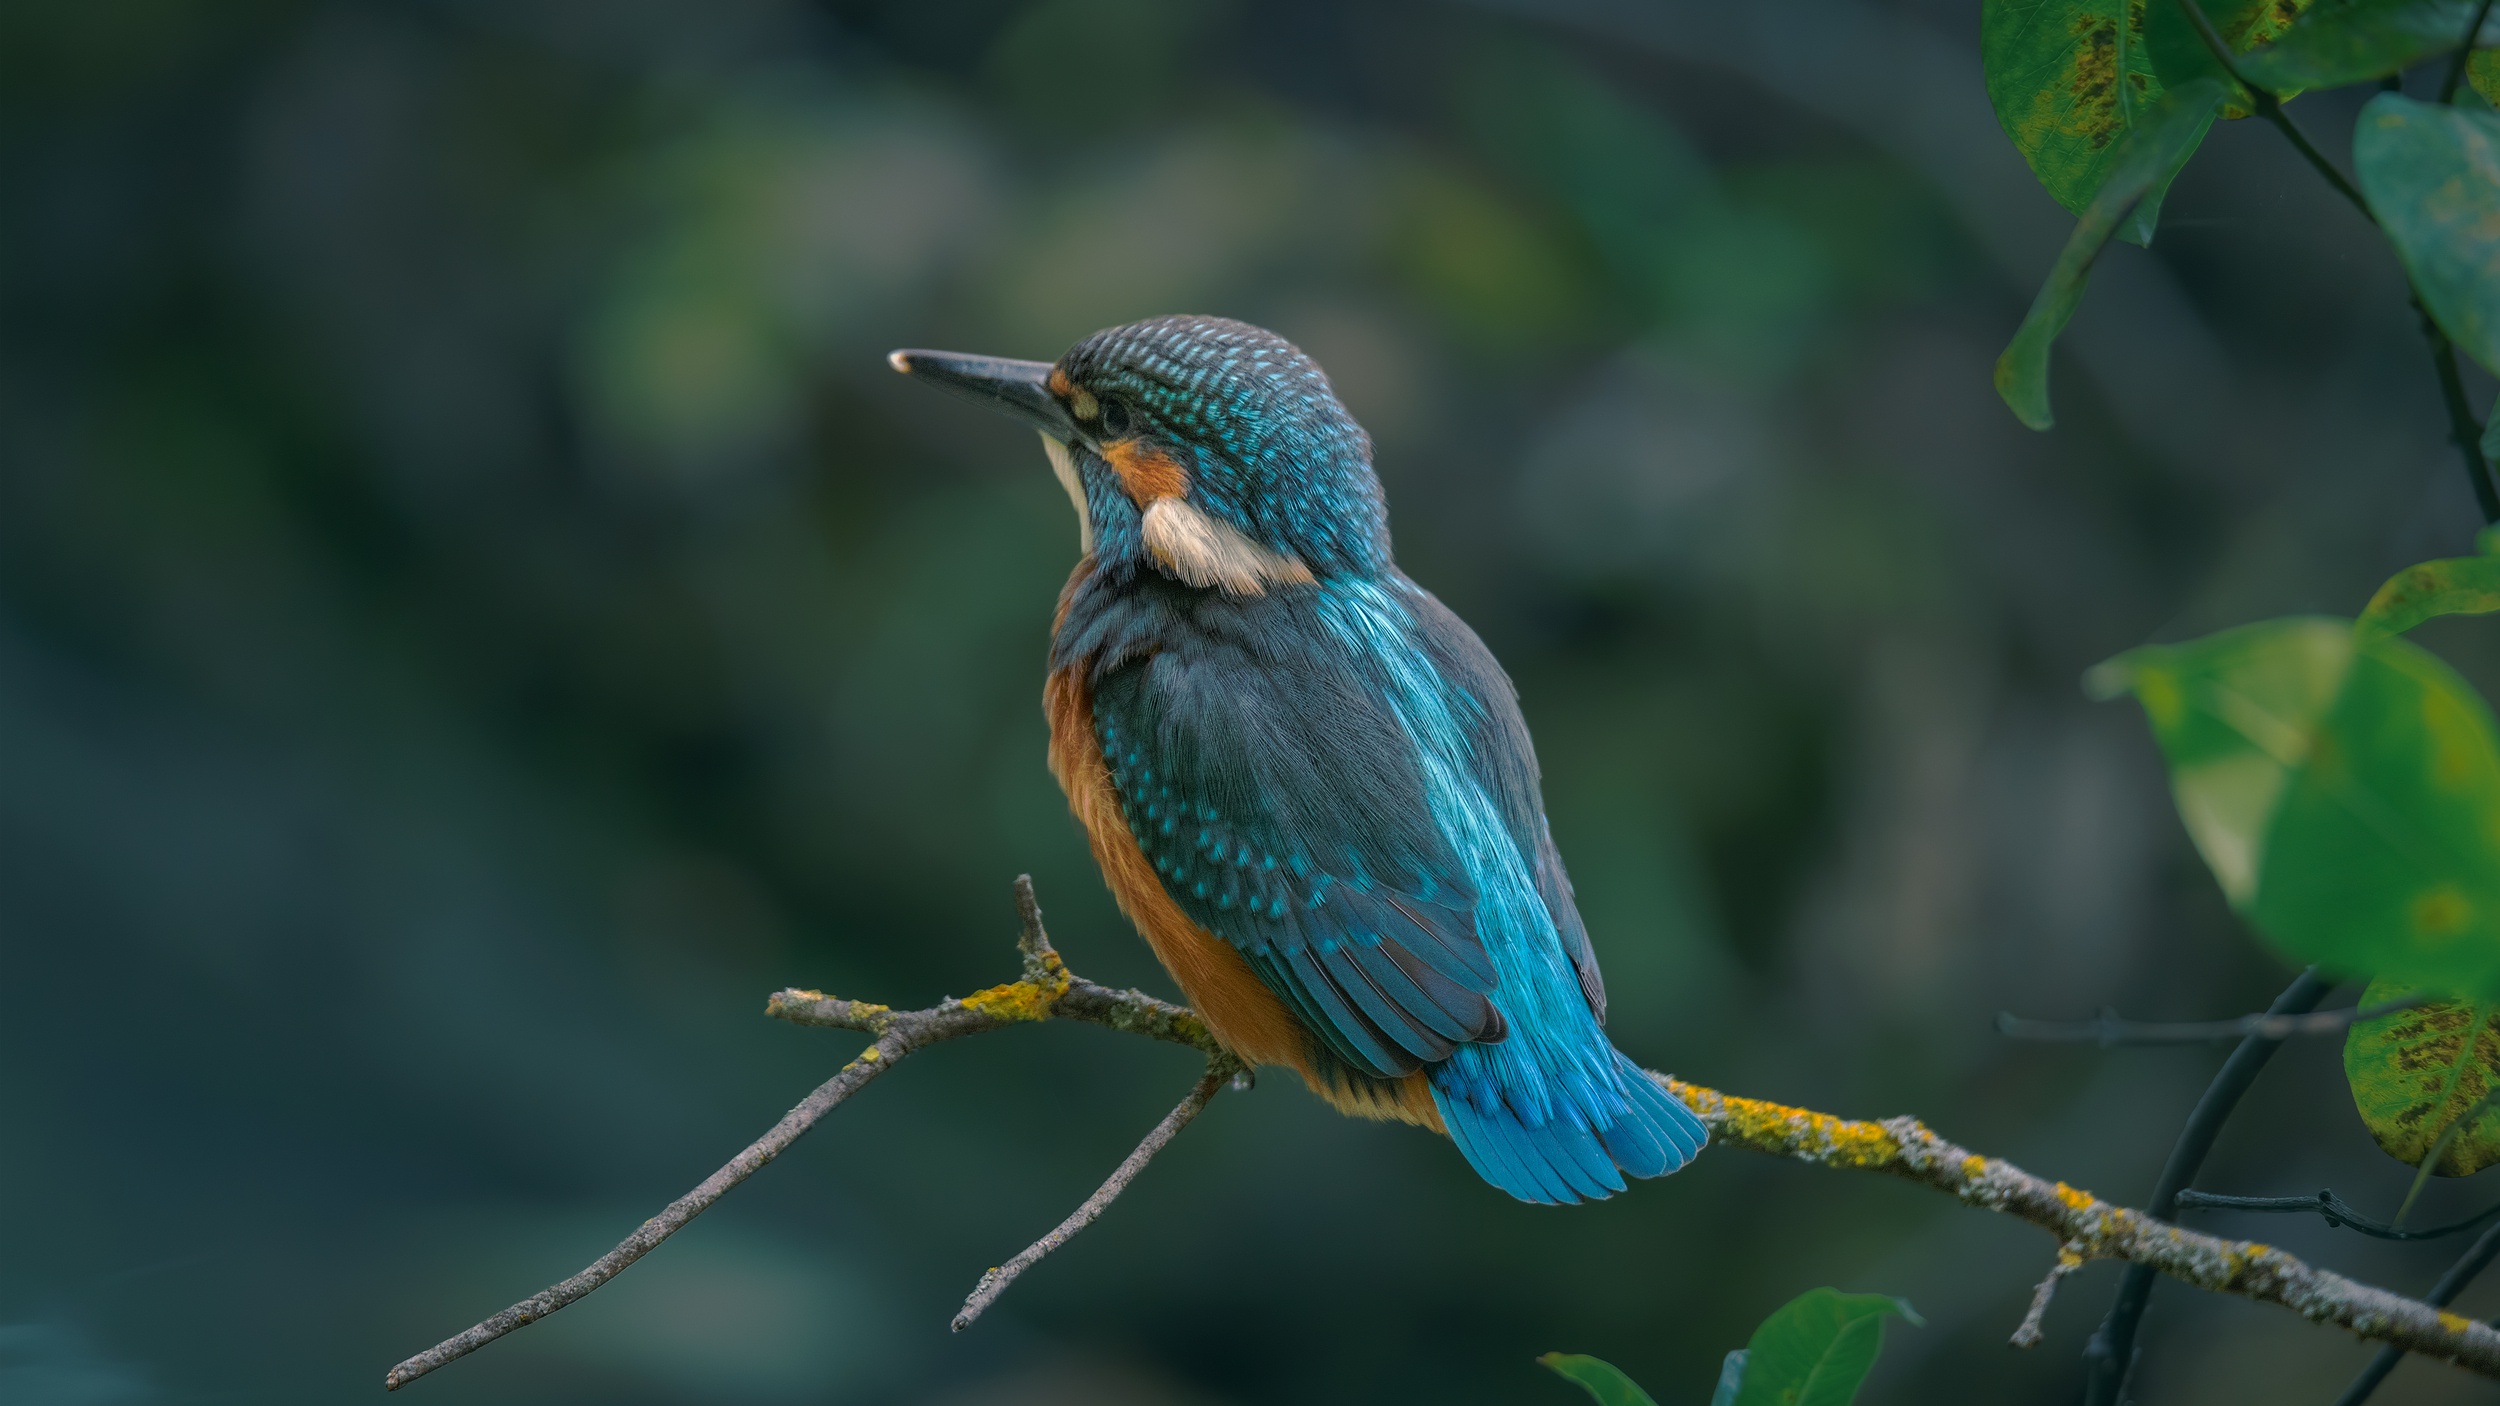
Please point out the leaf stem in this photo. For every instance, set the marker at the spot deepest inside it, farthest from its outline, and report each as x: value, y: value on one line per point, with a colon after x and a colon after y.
x: 2465, y: 53
x: 2334, y: 1210
x: 2464, y: 430
x: 2270, y: 107
x: 2111, y: 1352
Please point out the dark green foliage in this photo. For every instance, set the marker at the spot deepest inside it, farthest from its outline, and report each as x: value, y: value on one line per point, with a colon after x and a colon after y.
x: 1817, y: 1349
x: 2432, y: 173
x: 1814, y: 1351
x: 1605, y: 1384
x: 2153, y: 152
x: 2336, y: 42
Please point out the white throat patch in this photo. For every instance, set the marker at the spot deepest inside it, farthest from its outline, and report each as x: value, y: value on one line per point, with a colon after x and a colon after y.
x: 1063, y: 468
x: 1204, y: 552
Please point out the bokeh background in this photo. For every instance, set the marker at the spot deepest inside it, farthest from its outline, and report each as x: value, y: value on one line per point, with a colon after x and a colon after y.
x: 476, y: 613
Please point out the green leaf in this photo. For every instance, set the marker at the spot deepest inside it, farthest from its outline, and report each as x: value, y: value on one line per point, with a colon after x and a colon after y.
x: 2483, y: 71
x: 2449, y: 586
x: 2417, y: 1071
x: 2491, y: 435
x: 1731, y: 1378
x: 2179, y: 54
x: 2336, y: 42
x: 1605, y: 1384
x: 2345, y: 791
x: 2432, y: 174
x: 1816, y: 1349
x: 2069, y: 80
x: 2153, y: 153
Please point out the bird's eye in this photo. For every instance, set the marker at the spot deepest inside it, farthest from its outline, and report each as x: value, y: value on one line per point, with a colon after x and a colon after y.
x: 1114, y: 419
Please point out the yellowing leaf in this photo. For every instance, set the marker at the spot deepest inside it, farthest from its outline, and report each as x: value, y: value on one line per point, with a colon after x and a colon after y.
x: 2449, y: 586
x: 2417, y: 1071
x: 2344, y: 790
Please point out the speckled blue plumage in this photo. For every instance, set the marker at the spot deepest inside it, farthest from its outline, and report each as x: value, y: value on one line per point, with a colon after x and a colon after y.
x: 1335, y: 778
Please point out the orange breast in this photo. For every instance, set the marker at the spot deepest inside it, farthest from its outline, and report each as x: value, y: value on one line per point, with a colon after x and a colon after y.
x: 1239, y: 1009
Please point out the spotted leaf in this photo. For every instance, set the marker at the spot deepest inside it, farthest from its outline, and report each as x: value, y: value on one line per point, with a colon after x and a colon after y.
x: 2449, y: 586
x: 2070, y: 79
x: 2179, y: 54
x: 2335, y: 42
x: 2417, y: 1071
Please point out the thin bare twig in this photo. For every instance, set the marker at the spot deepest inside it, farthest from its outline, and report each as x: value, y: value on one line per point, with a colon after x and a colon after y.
x: 1220, y: 1071
x: 2331, y: 1208
x: 2450, y: 81
x: 1046, y: 992
x: 2109, y: 1029
x: 2069, y: 1259
x: 1903, y: 1147
x: 2109, y: 1354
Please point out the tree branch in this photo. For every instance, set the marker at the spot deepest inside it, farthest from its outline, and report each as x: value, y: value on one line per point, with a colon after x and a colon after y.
x: 1905, y: 1148
x: 2475, y: 1260
x: 2085, y: 1227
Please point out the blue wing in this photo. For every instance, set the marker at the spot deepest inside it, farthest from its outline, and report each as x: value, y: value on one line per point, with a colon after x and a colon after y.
x: 1283, y: 806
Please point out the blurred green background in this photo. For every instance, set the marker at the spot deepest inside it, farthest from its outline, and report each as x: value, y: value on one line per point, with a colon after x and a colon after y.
x: 476, y: 613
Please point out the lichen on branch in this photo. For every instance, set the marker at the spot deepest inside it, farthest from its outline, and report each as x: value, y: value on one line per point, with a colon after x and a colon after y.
x: 2085, y: 1226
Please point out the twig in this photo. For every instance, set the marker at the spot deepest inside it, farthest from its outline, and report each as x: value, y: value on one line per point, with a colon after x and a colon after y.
x: 2270, y: 107
x: 2475, y: 1260
x: 2465, y: 51
x: 2462, y: 427
x: 1220, y: 1071
x: 1047, y: 991
x: 2069, y: 1259
x: 2464, y: 431
x: 2331, y: 1208
x: 1901, y: 1147
x: 2109, y: 1029
x: 2110, y: 1354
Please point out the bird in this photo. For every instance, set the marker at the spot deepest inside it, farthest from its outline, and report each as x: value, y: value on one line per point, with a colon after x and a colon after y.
x: 1306, y: 781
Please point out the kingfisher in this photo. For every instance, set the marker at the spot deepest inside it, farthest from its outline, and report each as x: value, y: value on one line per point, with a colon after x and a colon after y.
x: 1305, y: 780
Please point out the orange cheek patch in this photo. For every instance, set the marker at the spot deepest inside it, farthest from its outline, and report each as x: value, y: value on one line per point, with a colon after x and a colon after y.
x: 1146, y: 473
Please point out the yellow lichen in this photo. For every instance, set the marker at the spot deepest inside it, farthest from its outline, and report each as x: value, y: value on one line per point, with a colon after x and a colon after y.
x: 869, y: 1055
x: 1974, y: 1166
x: 1017, y: 1000
x: 2075, y: 1200
x: 1802, y: 1132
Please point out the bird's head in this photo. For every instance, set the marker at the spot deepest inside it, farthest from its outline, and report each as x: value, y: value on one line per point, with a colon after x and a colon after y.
x: 1208, y: 450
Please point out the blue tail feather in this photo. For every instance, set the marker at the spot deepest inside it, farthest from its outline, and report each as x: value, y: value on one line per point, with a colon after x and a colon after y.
x: 1559, y: 1162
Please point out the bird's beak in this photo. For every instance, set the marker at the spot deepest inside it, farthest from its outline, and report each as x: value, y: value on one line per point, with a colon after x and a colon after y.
x: 1021, y: 388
